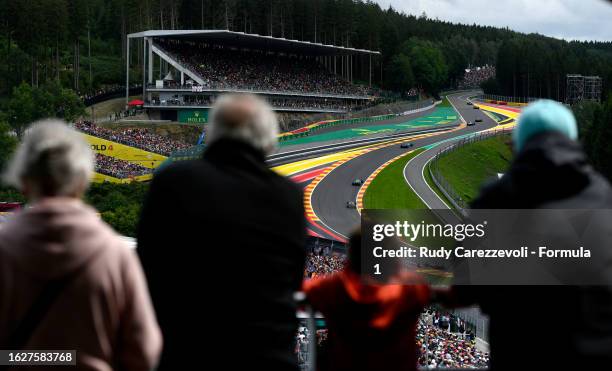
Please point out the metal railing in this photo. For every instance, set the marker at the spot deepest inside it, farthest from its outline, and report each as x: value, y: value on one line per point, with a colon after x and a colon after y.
x: 475, y: 321
x: 454, y: 197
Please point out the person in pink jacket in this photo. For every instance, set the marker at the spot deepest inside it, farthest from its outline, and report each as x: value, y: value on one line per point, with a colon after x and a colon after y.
x: 67, y: 281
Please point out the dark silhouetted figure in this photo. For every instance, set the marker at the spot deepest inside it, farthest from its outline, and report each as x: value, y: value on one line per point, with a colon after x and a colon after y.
x: 222, y: 243
x: 372, y: 323
x: 552, y: 327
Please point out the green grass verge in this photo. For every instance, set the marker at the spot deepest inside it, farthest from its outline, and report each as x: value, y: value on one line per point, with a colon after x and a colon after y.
x: 469, y: 167
x: 389, y: 189
x: 445, y: 102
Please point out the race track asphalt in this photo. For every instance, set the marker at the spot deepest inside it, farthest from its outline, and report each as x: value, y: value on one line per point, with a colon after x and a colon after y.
x: 413, y: 172
x: 330, y: 196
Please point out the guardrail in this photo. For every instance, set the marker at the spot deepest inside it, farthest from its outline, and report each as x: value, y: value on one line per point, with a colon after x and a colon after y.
x: 443, y: 185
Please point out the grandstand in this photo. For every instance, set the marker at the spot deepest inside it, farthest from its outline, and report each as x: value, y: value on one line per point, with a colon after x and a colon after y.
x: 193, y: 67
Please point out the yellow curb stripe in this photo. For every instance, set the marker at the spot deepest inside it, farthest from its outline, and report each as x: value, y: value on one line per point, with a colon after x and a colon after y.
x: 308, y: 192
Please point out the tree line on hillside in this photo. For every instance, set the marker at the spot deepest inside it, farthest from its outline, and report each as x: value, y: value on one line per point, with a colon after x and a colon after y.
x: 595, y: 129
x: 536, y: 66
x: 51, y: 49
x: 81, y: 43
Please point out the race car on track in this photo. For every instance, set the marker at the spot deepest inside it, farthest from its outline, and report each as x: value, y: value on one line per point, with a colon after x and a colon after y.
x: 406, y: 145
x: 475, y: 107
x: 357, y: 182
x: 351, y: 205
x: 478, y: 120
x: 471, y: 123
x: 469, y: 103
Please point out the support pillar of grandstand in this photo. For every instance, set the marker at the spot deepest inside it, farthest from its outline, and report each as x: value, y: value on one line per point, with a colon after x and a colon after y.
x: 335, y: 65
x: 370, y: 71
x: 150, y: 62
x: 145, y: 42
x: 127, y: 73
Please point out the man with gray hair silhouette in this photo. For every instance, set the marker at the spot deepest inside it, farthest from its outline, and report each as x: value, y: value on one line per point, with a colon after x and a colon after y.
x: 222, y: 242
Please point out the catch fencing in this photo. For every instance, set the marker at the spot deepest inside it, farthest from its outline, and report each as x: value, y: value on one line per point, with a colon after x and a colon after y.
x: 454, y: 197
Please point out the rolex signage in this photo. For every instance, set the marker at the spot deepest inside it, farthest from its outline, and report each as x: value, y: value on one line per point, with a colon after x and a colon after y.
x: 193, y: 116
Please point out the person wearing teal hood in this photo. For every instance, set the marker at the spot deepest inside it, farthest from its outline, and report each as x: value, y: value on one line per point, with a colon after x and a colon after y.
x: 569, y: 327
x: 542, y: 116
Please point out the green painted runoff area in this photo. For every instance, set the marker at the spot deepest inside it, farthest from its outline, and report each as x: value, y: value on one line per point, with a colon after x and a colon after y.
x: 440, y: 116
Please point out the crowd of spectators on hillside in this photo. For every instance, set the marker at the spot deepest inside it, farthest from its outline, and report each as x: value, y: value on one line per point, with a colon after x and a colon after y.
x: 104, y: 92
x: 473, y: 77
x: 141, y: 138
x: 444, y: 341
x: 118, y: 168
x: 321, y: 265
x: 257, y: 71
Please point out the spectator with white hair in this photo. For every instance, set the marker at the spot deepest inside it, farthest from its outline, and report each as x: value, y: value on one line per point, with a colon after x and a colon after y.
x: 67, y: 281
x: 234, y: 212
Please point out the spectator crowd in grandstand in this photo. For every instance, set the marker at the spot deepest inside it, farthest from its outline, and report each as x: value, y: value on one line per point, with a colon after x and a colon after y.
x: 118, y: 168
x: 222, y: 68
x: 141, y: 138
x: 324, y: 257
x: 443, y: 341
x: 278, y: 103
x: 473, y: 77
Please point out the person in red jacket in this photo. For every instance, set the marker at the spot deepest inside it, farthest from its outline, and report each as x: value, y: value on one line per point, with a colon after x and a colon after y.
x: 371, y: 324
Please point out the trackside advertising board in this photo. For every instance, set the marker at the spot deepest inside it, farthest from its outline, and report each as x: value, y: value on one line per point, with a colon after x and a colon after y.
x: 102, y: 178
x: 120, y: 151
x: 193, y: 116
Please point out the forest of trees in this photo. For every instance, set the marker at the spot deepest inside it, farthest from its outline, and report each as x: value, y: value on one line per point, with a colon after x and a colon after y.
x: 51, y: 51
x: 81, y: 43
x: 536, y: 66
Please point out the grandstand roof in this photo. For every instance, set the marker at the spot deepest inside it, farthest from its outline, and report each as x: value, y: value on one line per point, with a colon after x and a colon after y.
x: 241, y: 39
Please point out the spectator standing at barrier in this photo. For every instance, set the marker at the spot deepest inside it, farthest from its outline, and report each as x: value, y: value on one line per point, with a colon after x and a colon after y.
x: 549, y: 171
x: 231, y: 255
x: 67, y: 281
x: 372, y: 326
